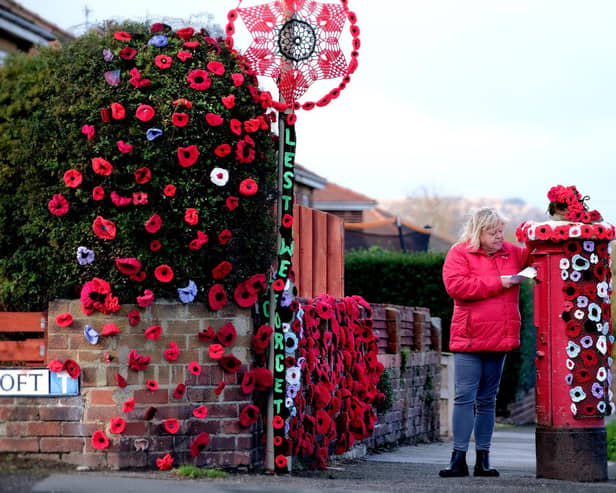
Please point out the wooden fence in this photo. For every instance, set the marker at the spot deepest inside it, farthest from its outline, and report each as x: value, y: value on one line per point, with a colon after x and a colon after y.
x: 23, y: 338
x: 318, y: 260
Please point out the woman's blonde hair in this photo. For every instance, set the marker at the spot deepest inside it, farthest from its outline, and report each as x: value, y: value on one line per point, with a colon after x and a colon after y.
x: 480, y: 220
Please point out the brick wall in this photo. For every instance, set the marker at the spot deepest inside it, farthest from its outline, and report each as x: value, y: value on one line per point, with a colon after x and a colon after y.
x: 61, y: 428
x: 409, y: 347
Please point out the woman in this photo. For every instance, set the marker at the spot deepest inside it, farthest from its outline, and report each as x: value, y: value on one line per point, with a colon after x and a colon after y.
x: 485, y: 324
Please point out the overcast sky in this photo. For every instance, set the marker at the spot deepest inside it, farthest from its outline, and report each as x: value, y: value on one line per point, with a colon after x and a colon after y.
x: 492, y: 98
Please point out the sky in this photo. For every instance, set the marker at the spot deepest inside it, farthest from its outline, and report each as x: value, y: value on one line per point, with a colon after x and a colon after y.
x: 474, y: 98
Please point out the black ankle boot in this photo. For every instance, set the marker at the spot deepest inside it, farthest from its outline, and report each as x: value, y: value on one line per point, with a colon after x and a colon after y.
x: 457, y: 467
x: 482, y: 465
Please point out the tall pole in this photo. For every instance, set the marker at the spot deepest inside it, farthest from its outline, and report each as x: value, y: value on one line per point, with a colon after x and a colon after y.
x: 284, y: 250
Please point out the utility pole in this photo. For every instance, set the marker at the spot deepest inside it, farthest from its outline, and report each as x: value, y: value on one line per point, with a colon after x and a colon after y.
x: 87, y: 11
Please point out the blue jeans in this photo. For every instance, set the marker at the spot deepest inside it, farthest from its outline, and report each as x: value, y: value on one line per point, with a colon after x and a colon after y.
x: 477, y: 376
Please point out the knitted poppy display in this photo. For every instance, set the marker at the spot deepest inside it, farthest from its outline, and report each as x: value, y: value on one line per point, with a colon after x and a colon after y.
x: 230, y: 363
x: 180, y: 391
x: 147, y: 74
x: 200, y: 412
x: 99, y: 440
x: 172, y: 352
x: 249, y: 415
x: 110, y: 329
x: 199, y: 443
x: 207, y: 335
x: 149, y: 414
x: 120, y: 381
x: 55, y: 365
x: 226, y: 334
x: 129, y: 405
x: 327, y: 383
x: 136, y: 361
x: 64, y: 319
x: 117, y: 425
x: 176, y: 201
x: 164, y: 463
x: 153, y: 333
x: 72, y: 368
x: 172, y: 425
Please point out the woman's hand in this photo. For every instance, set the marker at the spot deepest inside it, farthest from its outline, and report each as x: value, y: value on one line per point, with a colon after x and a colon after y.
x: 509, y: 281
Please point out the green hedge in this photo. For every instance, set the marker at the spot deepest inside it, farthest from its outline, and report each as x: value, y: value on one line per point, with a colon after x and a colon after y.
x: 407, y: 279
x: 46, y: 99
x: 414, y: 279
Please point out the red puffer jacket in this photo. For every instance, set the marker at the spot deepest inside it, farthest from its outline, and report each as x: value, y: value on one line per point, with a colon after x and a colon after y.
x: 486, y: 317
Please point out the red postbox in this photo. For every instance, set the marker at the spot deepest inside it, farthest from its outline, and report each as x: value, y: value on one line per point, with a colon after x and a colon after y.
x: 574, y: 342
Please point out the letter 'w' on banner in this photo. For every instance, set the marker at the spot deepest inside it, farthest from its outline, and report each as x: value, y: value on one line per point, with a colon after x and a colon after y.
x: 295, y: 43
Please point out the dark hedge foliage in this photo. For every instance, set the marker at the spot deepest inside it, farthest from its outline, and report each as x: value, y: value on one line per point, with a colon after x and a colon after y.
x: 46, y: 99
x: 414, y: 279
x: 407, y: 279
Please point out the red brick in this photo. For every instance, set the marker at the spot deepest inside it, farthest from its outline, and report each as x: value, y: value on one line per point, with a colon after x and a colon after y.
x: 187, y: 356
x: 209, y: 459
x: 17, y: 429
x: 178, y: 373
x: 245, y: 442
x: 234, y: 393
x: 178, y: 411
x: 61, y: 413
x: 62, y: 444
x: 134, y: 341
x: 200, y: 394
x: 135, y: 428
x: 18, y: 413
x: 212, y: 427
x: 95, y: 460
x: 88, y: 355
x: 89, y: 376
x: 127, y: 460
x: 163, y: 376
x: 101, y: 397
x: 79, y: 429
x: 222, y: 410
x: 65, y: 401
x: 216, y: 374
x: 232, y: 426
x: 218, y: 442
x: 44, y: 428
x: 19, y: 445
x: 189, y: 327
x: 56, y: 342
x: 239, y: 458
x: 230, y: 378
x: 134, y: 378
x: 160, y: 396
x: 110, y: 373
x: 78, y: 341
x: 100, y: 414
x: 199, y: 310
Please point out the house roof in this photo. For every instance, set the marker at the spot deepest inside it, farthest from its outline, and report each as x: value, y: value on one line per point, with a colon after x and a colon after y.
x: 336, y: 198
x: 385, y: 222
x: 22, y: 24
x: 309, y: 178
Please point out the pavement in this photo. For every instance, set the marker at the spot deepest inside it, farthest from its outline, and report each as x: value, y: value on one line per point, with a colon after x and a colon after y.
x: 411, y: 468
